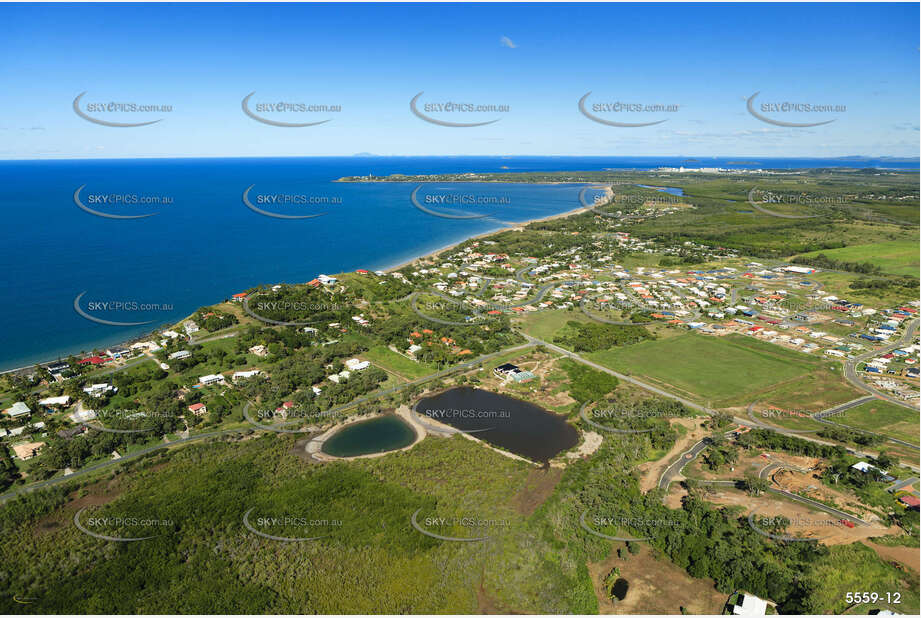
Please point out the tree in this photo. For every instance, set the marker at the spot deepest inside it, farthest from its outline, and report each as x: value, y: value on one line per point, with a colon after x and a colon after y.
x: 754, y: 485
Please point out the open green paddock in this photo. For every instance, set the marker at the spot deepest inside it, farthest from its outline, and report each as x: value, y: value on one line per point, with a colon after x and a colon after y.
x: 897, y: 257
x: 725, y: 371
x: 883, y: 417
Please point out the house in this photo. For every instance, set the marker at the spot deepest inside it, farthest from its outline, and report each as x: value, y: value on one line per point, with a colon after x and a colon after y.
x: 198, y: 409
x: 749, y: 605
x: 239, y: 298
x: 910, y: 501
x: 505, y: 370
x: 73, y: 432
x: 17, y: 409
x: 259, y: 350
x: 63, y: 400
x: 57, y: 368
x: 865, y: 467
x: 95, y: 360
x: 215, y: 378
x: 98, y: 390
x: 242, y: 375
x: 191, y: 327
x: 27, y: 450
x: 353, y: 364
x: 118, y: 352
x: 180, y: 355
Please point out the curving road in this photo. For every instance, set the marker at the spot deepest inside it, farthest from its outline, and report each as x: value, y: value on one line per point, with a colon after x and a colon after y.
x: 769, y: 470
x: 669, y: 474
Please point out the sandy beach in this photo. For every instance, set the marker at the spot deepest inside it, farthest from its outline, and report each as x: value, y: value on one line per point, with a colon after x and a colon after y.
x: 608, y: 193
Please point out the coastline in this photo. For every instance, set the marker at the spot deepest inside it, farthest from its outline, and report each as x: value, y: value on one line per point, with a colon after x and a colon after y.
x: 427, y: 255
x: 608, y: 190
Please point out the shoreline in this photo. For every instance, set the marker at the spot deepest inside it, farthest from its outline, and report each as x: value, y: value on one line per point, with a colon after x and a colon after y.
x: 608, y: 189
x: 390, y: 269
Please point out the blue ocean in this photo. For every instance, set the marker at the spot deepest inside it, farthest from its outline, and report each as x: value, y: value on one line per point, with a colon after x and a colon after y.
x: 199, y: 242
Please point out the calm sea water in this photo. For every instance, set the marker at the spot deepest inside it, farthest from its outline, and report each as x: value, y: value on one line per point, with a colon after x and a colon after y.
x: 206, y: 244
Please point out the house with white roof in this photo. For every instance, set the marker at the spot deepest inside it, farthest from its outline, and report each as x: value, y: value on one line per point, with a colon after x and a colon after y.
x: 749, y: 605
x: 17, y: 409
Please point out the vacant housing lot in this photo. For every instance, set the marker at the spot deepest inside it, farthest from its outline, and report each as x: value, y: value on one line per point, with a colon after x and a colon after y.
x: 725, y: 370
x: 899, y: 257
x: 883, y: 417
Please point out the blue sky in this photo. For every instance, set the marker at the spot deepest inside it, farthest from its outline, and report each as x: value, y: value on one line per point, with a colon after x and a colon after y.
x: 537, y: 59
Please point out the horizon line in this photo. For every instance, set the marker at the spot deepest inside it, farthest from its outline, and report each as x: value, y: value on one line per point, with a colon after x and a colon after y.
x: 503, y: 156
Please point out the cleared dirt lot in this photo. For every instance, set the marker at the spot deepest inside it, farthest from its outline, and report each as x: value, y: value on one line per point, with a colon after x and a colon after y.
x: 810, y: 485
x: 909, y: 557
x: 656, y: 586
x: 805, y: 522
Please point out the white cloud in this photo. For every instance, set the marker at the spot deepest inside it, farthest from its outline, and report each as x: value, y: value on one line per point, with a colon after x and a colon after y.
x: 507, y: 42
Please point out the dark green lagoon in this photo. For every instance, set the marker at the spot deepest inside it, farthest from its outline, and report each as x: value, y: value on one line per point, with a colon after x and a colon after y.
x: 385, y: 433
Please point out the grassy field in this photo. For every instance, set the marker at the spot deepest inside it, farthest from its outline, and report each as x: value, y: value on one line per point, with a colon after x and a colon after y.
x: 851, y: 568
x: 389, y: 360
x: 898, y: 257
x: 726, y: 370
x: 810, y: 393
x: 839, y: 285
x: 545, y: 324
x: 883, y: 417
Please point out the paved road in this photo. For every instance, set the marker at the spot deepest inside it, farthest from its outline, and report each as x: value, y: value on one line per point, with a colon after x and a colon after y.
x: 745, y: 422
x: 844, y: 406
x: 13, y: 493
x: 820, y: 417
x: 850, y: 367
x: 900, y: 484
x: 669, y: 474
x: 769, y: 469
x: 111, y: 462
